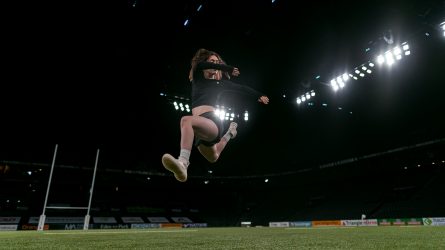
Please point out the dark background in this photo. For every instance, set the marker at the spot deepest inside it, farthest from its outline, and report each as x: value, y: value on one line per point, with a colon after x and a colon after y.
x: 89, y: 75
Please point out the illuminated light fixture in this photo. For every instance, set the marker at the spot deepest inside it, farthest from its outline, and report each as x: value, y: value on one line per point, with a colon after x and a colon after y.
x: 442, y: 26
x: 340, y: 82
x: 334, y: 85
x: 398, y: 53
x: 391, y: 56
x: 380, y: 59
x: 405, y: 48
x: 306, y: 96
x: 222, y: 114
x: 186, y: 22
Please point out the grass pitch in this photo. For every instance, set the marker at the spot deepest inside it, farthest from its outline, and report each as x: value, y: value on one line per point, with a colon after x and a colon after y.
x: 413, y: 237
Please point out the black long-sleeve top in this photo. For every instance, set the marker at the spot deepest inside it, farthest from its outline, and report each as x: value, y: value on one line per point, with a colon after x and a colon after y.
x: 207, y: 91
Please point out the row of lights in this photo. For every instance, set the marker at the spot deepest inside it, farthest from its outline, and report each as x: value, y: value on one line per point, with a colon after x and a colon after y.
x: 305, y: 97
x: 181, y: 106
x: 222, y: 112
x: 396, y: 53
x: 389, y: 57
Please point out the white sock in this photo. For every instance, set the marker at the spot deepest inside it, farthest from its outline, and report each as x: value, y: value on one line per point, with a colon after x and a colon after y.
x: 184, y: 156
x: 228, y: 136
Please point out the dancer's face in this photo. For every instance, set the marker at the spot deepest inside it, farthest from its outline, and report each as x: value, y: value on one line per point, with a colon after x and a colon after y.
x: 213, y: 73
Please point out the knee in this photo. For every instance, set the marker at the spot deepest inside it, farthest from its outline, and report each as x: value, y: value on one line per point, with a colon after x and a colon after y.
x: 186, y: 120
x: 213, y: 158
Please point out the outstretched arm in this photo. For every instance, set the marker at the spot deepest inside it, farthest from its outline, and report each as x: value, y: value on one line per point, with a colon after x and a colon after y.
x: 262, y: 98
x: 223, y: 67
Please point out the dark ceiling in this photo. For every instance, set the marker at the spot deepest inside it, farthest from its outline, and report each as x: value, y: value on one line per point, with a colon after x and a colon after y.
x: 90, y: 75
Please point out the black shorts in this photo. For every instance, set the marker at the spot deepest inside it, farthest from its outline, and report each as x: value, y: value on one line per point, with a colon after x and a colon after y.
x: 218, y: 122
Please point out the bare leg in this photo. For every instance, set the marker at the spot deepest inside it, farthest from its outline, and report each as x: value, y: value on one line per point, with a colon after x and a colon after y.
x: 212, y: 153
x: 204, y: 129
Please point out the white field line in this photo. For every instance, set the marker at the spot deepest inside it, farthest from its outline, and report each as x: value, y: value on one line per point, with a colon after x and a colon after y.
x: 123, y: 232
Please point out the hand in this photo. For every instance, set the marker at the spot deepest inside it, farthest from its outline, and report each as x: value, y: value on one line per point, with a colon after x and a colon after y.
x: 264, y: 99
x: 235, y: 72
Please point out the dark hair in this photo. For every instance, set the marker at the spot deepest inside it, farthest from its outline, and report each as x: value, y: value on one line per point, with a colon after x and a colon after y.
x: 201, y: 56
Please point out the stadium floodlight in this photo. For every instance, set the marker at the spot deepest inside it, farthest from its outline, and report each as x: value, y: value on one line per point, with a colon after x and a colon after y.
x: 334, y: 85
x: 222, y: 113
x: 352, y: 76
x: 442, y: 26
x: 391, y: 56
x: 306, y: 96
x: 398, y: 53
x: 380, y: 59
x: 405, y: 48
x: 340, y: 82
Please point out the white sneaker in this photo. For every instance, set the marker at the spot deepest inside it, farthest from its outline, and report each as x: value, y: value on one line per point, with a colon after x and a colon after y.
x: 232, y: 129
x: 175, y: 166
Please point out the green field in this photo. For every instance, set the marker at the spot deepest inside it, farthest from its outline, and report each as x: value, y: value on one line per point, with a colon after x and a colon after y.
x: 413, y: 237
